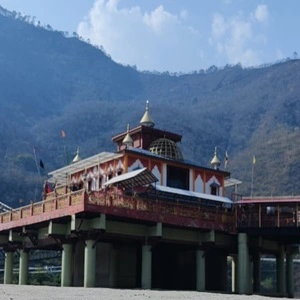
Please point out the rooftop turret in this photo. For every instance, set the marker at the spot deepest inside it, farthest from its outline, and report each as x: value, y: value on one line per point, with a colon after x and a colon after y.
x: 146, y: 119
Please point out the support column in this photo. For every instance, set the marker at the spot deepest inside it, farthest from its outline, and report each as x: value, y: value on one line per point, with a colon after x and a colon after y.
x: 200, y: 270
x: 8, y: 267
x: 281, y: 287
x: 234, y: 272
x: 89, y: 264
x: 66, y: 265
x: 23, y: 266
x: 290, y: 275
x: 146, y: 267
x: 256, y: 273
x: 243, y: 264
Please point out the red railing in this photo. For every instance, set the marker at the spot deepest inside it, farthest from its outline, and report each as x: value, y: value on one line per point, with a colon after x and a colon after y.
x: 214, y: 217
x: 218, y: 217
x: 268, y: 215
x: 38, y: 208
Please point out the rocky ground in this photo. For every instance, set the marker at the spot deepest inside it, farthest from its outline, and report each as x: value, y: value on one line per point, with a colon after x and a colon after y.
x: 16, y: 292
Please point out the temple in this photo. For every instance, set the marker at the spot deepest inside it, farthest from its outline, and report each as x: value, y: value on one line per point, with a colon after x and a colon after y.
x: 147, y: 217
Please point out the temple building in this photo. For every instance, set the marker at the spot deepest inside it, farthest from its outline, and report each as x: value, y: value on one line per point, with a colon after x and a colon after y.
x: 156, y: 150
x: 147, y: 217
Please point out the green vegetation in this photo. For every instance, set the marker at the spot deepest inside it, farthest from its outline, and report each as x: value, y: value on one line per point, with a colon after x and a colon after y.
x: 51, y: 81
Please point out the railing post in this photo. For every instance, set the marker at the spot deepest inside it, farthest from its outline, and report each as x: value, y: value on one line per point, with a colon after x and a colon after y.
x: 278, y: 216
x: 296, y: 214
x: 259, y: 215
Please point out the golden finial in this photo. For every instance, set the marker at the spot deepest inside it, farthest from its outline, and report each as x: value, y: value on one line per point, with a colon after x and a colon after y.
x: 146, y: 119
x: 77, y: 157
x: 215, y: 162
x: 127, y: 141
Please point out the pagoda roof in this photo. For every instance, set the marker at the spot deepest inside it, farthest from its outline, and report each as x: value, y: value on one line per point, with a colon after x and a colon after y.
x: 150, y: 130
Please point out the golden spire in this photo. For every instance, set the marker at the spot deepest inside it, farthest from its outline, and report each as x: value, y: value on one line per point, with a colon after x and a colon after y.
x: 127, y: 141
x: 77, y: 157
x: 146, y: 119
x: 215, y: 162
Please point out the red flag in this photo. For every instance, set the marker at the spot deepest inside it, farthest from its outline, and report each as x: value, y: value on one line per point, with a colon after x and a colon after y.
x: 63, y: 134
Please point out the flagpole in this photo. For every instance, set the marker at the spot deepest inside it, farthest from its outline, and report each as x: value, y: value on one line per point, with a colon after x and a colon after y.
x: 36, y: 163
x: 252, y: 176
x: 38, y: 170
x: 66, y: 152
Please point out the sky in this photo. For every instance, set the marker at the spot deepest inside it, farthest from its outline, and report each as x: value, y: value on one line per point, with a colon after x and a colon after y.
x: 176, y: 35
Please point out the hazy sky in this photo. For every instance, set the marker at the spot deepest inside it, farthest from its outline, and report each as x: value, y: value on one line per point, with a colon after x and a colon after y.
x: 177, y: 35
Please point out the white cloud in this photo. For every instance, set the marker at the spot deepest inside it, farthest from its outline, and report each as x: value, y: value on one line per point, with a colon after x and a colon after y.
x: 159, y: 20
x: 261, y: 13
x: 219, y: 26
x: 235, y: 39
x: 152, y: 40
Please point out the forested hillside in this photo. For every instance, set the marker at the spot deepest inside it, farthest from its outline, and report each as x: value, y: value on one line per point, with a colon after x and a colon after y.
x: 50, y: 81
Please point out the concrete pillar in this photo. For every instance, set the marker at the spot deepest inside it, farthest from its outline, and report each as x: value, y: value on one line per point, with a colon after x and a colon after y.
x: 281, y: 287
x: 23, y: 267
x: 290, y: 275
x: 243, y: 264
x: 256, y: 273
x: 89, y: 264
x: 66, y: 265
x: 8, y: 267
x: 234, y: 275
x: 200, y: 270
x: 113, y: 267
x: 146, y: 267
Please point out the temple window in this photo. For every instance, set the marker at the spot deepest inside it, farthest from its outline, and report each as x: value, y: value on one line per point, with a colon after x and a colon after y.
x: 215, y: 189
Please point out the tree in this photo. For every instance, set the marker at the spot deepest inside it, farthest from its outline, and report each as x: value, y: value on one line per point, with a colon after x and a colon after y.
x: 295, y: 55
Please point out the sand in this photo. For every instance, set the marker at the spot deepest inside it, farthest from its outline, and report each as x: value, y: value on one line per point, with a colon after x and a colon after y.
x: 16, y: 292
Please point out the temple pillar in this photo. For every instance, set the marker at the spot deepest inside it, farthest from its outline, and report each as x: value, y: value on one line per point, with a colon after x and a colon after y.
x: 23, y: 267
x: 146, y: 267
x: 200, y: 270
x: 89, y: 264
x: 243, y: 264
x: 8, y: 267
x: 66, y: 265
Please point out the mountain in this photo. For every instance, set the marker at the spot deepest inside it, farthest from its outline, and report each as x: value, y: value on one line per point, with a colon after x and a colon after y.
x: 51, y: 81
